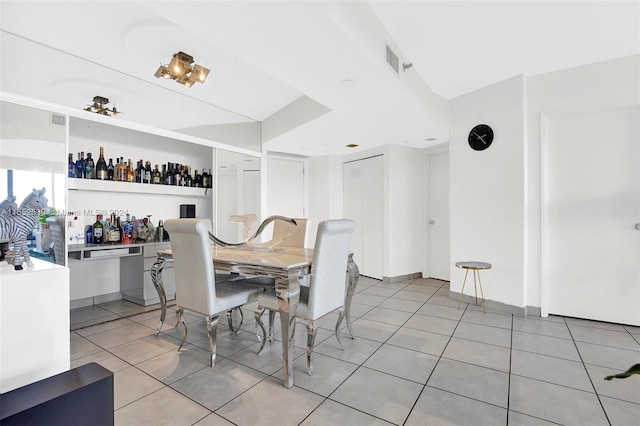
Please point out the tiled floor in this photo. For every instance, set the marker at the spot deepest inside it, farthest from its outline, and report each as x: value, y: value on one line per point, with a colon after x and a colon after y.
x: 417, y: 361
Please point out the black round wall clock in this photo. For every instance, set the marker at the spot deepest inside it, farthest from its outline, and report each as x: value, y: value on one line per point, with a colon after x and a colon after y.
x: 480, y: 137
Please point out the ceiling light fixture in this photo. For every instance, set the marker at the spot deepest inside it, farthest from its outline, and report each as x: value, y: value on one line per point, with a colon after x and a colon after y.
x: 99, y: 106
x: 181, y: 70
x: 352, y: 145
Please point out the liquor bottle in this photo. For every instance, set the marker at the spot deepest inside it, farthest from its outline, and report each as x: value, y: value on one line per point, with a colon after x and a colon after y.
x: 110, y: 170
x: 210, y: 180
x: 140, y: 172
x: 113, y: 232
x: 177, y: 175
x: 198, y: 179
x: 157, y: 178
x: 101, y: 166
x: 80, y: 165
x: 97, y: 230
x: 122, y: 171
x: 147, y: 172
x: 169, y: 176
x: 89, y: 167
x: 205, y: 178
x: 188, y: 180
x: 130, y: 172
x: 71, y: 172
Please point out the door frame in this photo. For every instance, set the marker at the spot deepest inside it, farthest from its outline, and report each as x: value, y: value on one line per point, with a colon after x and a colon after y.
x: 545, y: 119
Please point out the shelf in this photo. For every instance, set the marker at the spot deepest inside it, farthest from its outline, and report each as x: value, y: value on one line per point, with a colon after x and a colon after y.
x: 135, y: 188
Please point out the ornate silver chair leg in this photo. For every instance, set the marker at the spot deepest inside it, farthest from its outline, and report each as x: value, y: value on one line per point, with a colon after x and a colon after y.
x: 212, y: 329
x: 230, y: 319
x: 272, y: 320
x: 340, y: 316
x: 179, y: 313
x: 258, y: 316
x: 311, y: 338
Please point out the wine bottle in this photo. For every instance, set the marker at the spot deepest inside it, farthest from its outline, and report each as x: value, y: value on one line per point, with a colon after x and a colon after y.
x: 157, y: 178
x: 71, y: 172
x: 205, y: 178
x: 80, y: 165
x: 177, y: 175
x: 97, y: 230
x: 169, y: 175
x: 101, y: 166
x: 110, y: 170
x: 210, y: 181
x: 147, y: 172
x: 89, y: 167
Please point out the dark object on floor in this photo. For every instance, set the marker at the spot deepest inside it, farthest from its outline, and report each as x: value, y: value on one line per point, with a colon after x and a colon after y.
x: 80, y: 396
x: 630, y: 372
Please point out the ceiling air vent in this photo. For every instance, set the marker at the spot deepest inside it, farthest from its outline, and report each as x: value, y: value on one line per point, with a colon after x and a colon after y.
x: 392, y: 59
x: 58, y: 120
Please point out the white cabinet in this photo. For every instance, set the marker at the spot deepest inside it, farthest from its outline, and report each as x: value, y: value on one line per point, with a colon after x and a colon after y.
x: 363, y: 202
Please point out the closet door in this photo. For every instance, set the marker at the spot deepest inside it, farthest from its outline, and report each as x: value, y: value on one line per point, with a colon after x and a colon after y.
x: 593, y: 216
x: 363, y: 202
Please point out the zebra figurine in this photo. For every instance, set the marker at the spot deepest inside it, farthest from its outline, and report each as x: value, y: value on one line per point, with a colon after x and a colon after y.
x: 17, y: 226
x: 8, y: 206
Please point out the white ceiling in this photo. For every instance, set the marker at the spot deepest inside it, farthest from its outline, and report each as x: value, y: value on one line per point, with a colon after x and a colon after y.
x: 265, y: 54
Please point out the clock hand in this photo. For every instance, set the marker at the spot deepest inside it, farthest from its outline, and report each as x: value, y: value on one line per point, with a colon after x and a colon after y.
x: 481, y: 138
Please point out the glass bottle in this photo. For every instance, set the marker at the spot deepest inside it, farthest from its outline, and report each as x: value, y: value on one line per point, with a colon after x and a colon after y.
x: 122, y: 172
x: 210, y: 180
x: 110, y: 170
x: 89, y: 167
x: 169, y: 175
x: 177, y: 175
x: 113, y: 232
x: 97, y: 230
x: 71, y: 172
x: 80, y: 165
x: 205, y: 178
x: 101, y: 166
x: 147, y: 172
x: 197, y: 177
x: 130, y: 172
x: 157, y: 178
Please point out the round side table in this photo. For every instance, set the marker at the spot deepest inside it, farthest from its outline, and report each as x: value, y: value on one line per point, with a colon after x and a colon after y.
x: 475, y: 267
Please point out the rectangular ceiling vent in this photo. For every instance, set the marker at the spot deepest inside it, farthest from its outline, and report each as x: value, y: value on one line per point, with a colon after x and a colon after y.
x: 392, y: 59
x: 58, y: 120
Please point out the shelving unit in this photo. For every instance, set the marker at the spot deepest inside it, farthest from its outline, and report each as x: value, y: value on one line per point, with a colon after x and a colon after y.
x: 96, y: 185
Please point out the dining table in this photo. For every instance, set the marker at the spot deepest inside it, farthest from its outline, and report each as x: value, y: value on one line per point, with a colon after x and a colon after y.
x: 286, y: 265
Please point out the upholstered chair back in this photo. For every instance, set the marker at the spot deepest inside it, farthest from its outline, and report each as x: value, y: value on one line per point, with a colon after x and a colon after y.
x: 329, y: 267
x: 193, y: 264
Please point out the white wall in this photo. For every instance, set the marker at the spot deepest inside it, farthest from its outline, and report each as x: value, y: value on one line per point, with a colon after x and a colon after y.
x: 488, y: 190
x: 595, y: 87
x: 496, y: 194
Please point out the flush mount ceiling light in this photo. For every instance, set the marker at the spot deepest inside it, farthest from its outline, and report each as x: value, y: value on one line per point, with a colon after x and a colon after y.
x: 181, y: 70
x: 99, y: 106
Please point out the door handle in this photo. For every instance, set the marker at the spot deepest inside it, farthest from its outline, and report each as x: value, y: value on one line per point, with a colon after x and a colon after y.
x: 432, y: 222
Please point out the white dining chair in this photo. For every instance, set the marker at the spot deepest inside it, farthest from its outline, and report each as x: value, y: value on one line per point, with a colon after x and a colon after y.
x: 326, y: 287
x: 196, y: 287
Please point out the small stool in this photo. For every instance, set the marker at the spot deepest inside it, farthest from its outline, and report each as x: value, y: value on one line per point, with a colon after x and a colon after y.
x: 475, y: 267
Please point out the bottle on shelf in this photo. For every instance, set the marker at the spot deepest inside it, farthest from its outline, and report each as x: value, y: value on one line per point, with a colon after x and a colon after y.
x: 205, y: 178
x: 177, y: 175
x: 97, y: 230
x: 80, y: 165
x: 210, y: 180
x: 188, y: 180
x: 130, y: 172
x: 197, y: 179
x: 89, y: 167
x: 122, y: 171
x: 101, y: 166
x: 113, y: 232
x: 147, y: 172
x: 170, y: 174
x: 157, y: 178
x: 88, y: 235
x: 110, y: 170
x: 71, y: 172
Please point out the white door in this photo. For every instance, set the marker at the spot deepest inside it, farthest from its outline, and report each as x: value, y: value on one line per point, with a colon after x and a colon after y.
x: 438, y: 216
x: 363, y: 203
x: 593, y: 212
x: 372, y: 216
